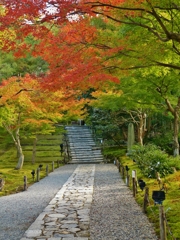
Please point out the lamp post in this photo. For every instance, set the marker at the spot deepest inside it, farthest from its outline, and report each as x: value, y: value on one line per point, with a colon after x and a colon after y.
x: 127, y: 175
x: 61, y: 148
x: 33, y: 174
x: 159, y: 197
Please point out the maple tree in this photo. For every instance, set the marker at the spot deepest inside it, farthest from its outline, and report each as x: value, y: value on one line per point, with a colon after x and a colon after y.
x: 76, y: 63
x: 84, y: 51
x: 159, y: 19
x: 136, y: 19
x: 23, y: 106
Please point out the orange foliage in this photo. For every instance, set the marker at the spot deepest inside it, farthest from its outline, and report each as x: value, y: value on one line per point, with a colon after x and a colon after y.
x: 74, y: 62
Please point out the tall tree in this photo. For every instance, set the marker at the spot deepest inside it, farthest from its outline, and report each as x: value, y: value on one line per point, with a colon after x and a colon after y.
x: 24, y: 106
x: 146, y: 33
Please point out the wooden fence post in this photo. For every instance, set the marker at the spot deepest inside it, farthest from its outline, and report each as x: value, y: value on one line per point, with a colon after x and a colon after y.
x: 134, y: 183
x: 64, y: 158
x: 146, y: 200
x: 123, y: 172
x: 2, y: 182
x: 118, y: 166
x: 25, y: 183
x: 47, y: 170
x: 163, y: 235
x: 127, y: 180
x: 38, y: 174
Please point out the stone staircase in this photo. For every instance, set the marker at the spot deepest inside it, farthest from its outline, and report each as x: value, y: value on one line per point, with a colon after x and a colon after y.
x: 82, y: 148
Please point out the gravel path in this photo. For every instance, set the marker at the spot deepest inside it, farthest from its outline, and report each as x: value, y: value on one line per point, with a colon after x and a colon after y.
x: 114, y: 212
x: 18, y: 211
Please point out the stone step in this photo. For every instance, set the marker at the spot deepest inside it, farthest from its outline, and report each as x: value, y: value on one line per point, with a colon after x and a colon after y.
x: 85, y: 132
x: 75, y: 149
x: 80, y: 141
x: 78, y: 131
x: 75, y: 139
x: 81, y: 162
x: 82, y: 147
x: 85, y: 147
x: 83, y: 156
x: 80, y: 138
x: 85, y: 135
x: 86, y: 152
x: 86, y: 160
x: 80, y: 135
x: 87, y: 157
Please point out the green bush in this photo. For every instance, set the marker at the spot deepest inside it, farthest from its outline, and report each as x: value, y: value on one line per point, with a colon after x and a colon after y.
x: 151, y: 159
x: 164, y: 141
x: 113, y: 152
x: 175, y: 163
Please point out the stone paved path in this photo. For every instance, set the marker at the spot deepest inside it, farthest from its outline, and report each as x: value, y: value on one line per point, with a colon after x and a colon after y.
x: 93, y: 204
x: 67, y: 215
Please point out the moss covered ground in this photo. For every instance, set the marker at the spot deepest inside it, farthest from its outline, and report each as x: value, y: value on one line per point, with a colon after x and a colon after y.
x: 47, y: 153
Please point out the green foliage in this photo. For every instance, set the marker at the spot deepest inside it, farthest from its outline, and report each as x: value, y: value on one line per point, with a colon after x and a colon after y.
x: 150, y: 160
x: 98, y: 23
x: 107, y: 125
x: 174, y: 163
x: 11, y: 66
x: 164, y: 141
x: 113, y: 152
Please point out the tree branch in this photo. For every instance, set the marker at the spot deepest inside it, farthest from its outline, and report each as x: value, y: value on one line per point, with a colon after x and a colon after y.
x: 24, y: 89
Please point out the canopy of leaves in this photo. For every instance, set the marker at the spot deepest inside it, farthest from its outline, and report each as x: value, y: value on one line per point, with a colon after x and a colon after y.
x: 87, y: 44
x: 11, y: 66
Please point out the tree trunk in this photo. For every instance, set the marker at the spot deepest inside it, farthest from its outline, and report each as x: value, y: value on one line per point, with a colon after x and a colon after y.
x: 20, y: 152
x: 175, y: 113
x: 175, y: 137
x: 20, y: 162
x: 141, y: 127
x: 124, y: 133
x: 140, y: 130
x: 17, y: 143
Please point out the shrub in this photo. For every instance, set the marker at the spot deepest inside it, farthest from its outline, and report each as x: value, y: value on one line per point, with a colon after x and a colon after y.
x: 175, y: 163
x: 113, y: 152
x: 151, y: 159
